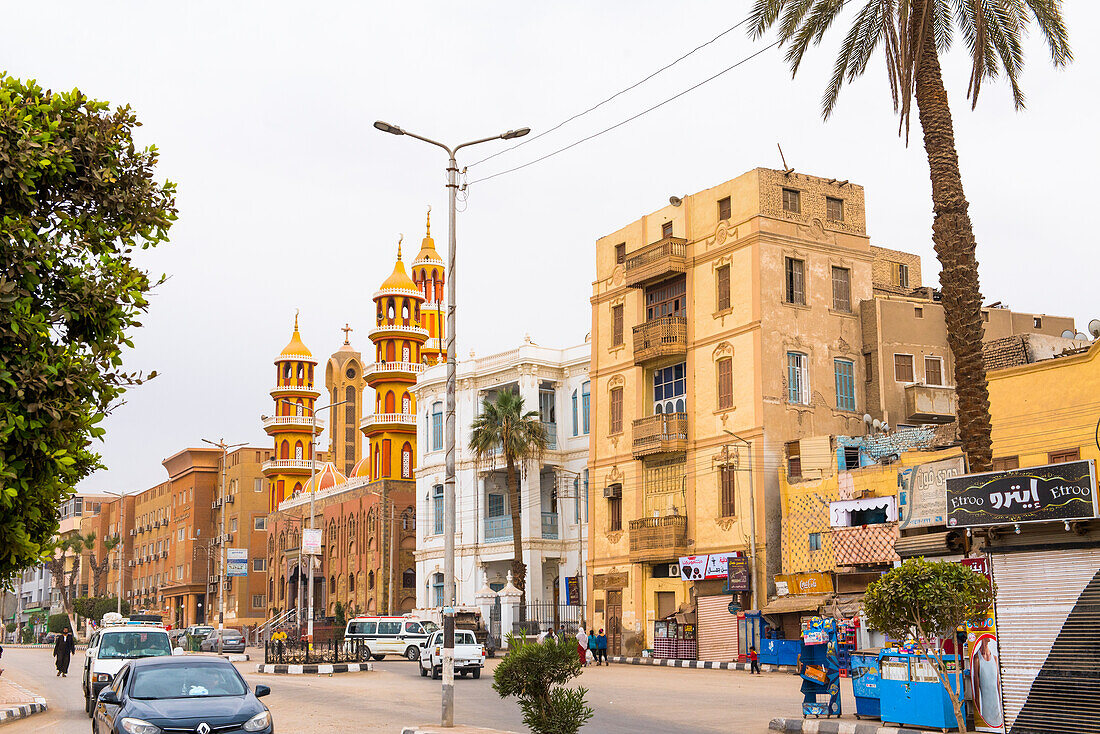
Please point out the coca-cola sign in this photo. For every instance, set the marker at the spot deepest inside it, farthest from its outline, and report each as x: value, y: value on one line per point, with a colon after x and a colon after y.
x: 1054, y: 492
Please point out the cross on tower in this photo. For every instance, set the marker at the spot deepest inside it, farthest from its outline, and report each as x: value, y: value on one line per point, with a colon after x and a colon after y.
x: 347, y: 328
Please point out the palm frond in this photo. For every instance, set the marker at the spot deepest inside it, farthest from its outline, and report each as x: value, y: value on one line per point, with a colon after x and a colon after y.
x: 851, y: 60
x: 763, y: 15
x: 1048, y: 16
x: 812, y: 30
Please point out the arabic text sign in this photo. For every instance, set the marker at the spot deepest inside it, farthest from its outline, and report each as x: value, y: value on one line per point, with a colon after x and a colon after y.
x: 923, y: 492
x: 1037, y: 494
x: 236, y: 561
x: 311, y: 541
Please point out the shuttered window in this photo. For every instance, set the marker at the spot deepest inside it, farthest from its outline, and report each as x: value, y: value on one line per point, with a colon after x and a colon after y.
x: 845, y: 384
x: 616, y: 410
x: 615, y: 513
x: 729, y: 490
x: 842, y: 290
x: 725, y: 383
x: 616, y: 325
x: 796, y: 286
x: 722, y: 277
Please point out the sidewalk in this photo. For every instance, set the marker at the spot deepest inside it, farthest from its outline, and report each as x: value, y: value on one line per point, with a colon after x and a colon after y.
x: 839, y: 726
x: 16, y: 702
x: 701, y: 664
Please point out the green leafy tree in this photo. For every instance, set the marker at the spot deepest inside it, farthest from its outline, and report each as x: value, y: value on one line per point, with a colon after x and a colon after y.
x: 340, y: 620
x: 106, y: 604
x: 58, y: 622
x: 516, y: 436
x: 913, y: 34
x: 536, y: 674
x: 928, y: 601
x: 77, y: 198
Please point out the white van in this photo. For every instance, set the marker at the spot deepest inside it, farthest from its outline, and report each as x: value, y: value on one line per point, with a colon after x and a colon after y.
x: 112, y: 646
x: 383, y: 636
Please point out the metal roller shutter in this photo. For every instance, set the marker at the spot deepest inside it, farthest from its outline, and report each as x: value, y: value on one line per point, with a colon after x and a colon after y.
x: 717, y: 629
x: 1048, y: 626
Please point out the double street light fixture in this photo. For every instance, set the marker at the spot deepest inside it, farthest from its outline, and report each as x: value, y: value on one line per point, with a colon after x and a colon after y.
x: 449, y: 429
x: 221, y: 444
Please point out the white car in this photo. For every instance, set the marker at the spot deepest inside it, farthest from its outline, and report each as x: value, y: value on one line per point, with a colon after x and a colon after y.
x: 377, y: 637
x: 469, y: 655
x: 109, y: 649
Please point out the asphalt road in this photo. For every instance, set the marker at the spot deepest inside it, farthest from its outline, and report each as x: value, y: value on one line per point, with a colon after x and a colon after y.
x: 627, y: 699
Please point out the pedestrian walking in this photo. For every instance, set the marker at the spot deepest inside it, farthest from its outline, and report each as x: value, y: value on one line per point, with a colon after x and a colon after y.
x: 593, y: 655
x: 754, y: 660
x: 601, y: 647
x: 63, y: 648
x: 582, y: 645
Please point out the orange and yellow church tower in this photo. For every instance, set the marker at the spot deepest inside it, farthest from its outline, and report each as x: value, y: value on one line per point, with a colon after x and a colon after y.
x: 428, y: 274
x: 290, y: 427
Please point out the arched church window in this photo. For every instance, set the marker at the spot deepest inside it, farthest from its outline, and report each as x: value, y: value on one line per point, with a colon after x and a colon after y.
x: 405, y: 310
x: 406, y: 404
x: 406, y: 354
x: 298, y: 451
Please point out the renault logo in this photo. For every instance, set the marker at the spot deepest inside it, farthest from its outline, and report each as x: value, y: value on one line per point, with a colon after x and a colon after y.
x: 203, y: 728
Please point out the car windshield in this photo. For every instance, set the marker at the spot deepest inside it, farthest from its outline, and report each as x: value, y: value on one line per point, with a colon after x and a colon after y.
x: 179, y: 681
x: 136, y: 644
x: 203, y: 630
x: 430, y: 627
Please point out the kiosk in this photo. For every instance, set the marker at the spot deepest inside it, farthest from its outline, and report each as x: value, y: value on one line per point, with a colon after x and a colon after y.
x: 910, y: 692
x: 864, y: 672
x: 820, y: 669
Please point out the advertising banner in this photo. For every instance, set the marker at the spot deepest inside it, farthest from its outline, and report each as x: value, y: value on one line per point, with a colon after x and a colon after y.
x: 805, y: 583
x: 236, y: 561
x: 693, y: 568
x: 311, y: 541
x: 984, y: 657
x: 1037, y: 494
x: 717, y: 564
x: 737, y: 574
x: 572, y: 590
x: 922, y: 492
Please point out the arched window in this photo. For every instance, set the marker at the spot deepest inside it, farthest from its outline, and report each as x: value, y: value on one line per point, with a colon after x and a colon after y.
x: 332, y: 585
x: 390, y: 399
x: 406, y: 404
x: 390, y: 352
x: 406, y: 353
x: 390, y: 311
x: 284, y: 450
x: 286, y: 371
x: 370, y: 580
x: 405, y: 309
x: 301, y: 371
x: 386, y: 457
x: 408, y: 519
x: 298, y: 450
x: 297, y: 488
x: 408, y: 579
x: 351, y: 583
x: 437, y: 589
x: 299, y: 409
x: 406, y: 461
x: 282, y: 588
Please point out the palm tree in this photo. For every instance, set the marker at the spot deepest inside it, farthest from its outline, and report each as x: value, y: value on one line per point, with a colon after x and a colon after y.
x: 99, y: 568
x: 913, y: 33
x: 503, y: 427
x: 63, y: 550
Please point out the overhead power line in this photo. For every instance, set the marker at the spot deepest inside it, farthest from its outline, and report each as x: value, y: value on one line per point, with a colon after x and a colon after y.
x: 629, y: 119
x: 619, y: 93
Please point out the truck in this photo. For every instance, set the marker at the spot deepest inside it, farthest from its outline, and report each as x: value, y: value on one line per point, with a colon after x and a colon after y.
x: 469, y: 655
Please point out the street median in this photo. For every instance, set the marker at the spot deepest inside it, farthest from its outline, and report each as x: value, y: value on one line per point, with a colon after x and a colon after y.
x: 701, y: 664
x: 314, y: 668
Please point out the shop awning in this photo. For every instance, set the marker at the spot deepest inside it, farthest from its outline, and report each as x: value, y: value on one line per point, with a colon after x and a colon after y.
x: 796, y: 603
x: 930, y: 544
x: 840, y: 512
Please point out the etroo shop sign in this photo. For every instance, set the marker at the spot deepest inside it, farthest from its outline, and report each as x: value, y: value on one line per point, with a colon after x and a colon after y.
x: 1055, y: 492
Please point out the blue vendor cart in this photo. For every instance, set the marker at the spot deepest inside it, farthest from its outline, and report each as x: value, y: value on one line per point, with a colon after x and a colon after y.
x: 910, y: 692
x: 864, y: 673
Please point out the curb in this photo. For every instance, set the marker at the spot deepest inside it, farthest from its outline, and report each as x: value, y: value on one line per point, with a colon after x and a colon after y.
x: 458, y: 730
x: 826, y: 726
x: 319, y: 669
x: 701, y: 664
x: 36, y: 646
x: 21, y: 712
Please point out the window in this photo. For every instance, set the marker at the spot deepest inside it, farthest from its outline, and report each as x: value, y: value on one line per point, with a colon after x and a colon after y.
x: 903, y: 367
x: 437, y: 426
x: 933, y: 371
x: 851, y: 458
x: 724, y: 209
x: 792, y: 201
x: 918, y: 312
x: 233, y: 525
x: 616, y: 417
x: 1061, y: 457
x: 834, y: 209
x: 179, y: 573
x: 437, y: 508
x: 985, y: 315
x: 258, y: 601
x: 842, y: 289
x: 406, y: 461
x: 901, y: 275
x: 614, y: 514
x: 408, y: 578
x: 725, y: 383
x: 669, y: 390
x: 815, y: 541
x: 875, y: 516
x: 666, y: 299
x: 844, y: 372
x: 794, y: 459
x: 1037, y: 322
x: 1006, y: 463
x: 494, y: 505
x: 437, y: 589
x: 722, y: 281
x: 666, y: 230
x: 728, y: 477
x: 584, y: 487
x: 586, y: 401
x: 798, y: 378
x: 620, y: 253
x: 575, y: 413
x: 179, y: 534
x: 868, y: 367
x: 259, y: 564
x: 259, y: 523
x: 796, y: 288
x: 616, y: 325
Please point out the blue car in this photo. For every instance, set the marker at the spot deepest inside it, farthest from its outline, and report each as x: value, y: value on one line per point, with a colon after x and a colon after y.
x: 205, y: 695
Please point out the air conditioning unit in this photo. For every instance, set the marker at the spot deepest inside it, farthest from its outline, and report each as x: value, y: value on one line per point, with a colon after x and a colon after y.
x: 140, y: 529
x: 148, y: 527
x: 674, y: 570
x: 132, y: 532
x: 164, y: 554
x: 613, y: 492
x: 231, y: 498
x: 130, y: 564
x: 228, y: 585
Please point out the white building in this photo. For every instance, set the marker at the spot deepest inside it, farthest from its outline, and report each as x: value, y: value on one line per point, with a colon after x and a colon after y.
x: 553, y: 494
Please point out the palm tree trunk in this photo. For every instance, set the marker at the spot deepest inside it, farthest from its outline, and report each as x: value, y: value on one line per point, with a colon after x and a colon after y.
x: 953, y: 237
x: 519, y: 568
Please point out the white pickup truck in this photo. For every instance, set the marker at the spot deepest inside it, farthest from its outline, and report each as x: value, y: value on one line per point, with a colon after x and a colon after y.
x: 469, y: 655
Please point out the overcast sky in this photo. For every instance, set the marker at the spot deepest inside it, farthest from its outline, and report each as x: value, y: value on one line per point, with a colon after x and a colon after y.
x: 289, y: 199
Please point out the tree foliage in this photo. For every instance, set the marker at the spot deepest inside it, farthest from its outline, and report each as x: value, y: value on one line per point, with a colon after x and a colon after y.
x: 927, y: 600
x: 536, y: 674
x: 77, y: 198
x: 94, y: 607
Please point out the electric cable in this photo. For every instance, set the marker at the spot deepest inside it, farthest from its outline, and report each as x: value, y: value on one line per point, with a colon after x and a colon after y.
x: 613, y: 96
x: 629, y: 119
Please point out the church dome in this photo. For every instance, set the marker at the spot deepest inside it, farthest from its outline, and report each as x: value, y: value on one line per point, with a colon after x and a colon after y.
x: 296, y: 348
x: 427, y: 246
x: 361, y: 469
x: 328, y: 476
x: 399, y: 279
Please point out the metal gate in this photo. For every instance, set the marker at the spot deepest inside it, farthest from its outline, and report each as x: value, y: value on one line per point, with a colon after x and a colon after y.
x: 614, y: 622
x: 494, y: 624
x: 716, y: 629
x: 541, y: 616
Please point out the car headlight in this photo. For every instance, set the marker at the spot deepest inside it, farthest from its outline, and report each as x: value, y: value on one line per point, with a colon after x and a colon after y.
x: 137, y: 726
x: 259, y: 722
x: 102, y: 678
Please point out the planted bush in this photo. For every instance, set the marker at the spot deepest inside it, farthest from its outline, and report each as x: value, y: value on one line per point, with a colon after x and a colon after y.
x: 536, y: 674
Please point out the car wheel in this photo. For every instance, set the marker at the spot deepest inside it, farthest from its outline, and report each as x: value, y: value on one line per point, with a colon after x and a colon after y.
x: 412, y: 653
x: 364, y: 653
x: 377, y: 657
x: 89, y: 706
x: 436, y: 674
x: 477, y: 673
x: 462, y: 674
x: 423, y: 671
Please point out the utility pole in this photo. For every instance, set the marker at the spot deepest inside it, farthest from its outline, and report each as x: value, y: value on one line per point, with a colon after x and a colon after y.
x: 449, y: 593
x: 221, y: 536
x: 312, y: 495
x: 752, y: 514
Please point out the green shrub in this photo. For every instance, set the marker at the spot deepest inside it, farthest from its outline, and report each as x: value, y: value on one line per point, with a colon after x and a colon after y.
x: 536, y: 674
x: 57, y: 623
x: 10, y: 626
x: 28, y: 634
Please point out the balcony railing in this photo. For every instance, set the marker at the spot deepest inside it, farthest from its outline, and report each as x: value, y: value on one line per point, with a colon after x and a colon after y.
x: 661, y: 433
x: 398, y: 328
x: 865, y: 545
x: 929, y: 403
x: 662, y: 258
x: 378, y: 367
x: 401, y: 419
x: 498, y: 529
x: 658, y: 538
x: 551, y: 435
x: 550, y: 525
x: 663, y: 337
x: 293, y: 420
x: 287, y: 464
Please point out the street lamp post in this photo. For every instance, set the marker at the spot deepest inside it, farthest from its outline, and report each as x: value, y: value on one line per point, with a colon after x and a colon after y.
x: 312, y: 495
x: 449, y: 427
x: 752, y: 514
x: 221, y: 444
x: 121, y: 542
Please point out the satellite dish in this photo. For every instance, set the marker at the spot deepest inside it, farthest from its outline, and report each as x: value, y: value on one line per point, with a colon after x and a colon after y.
x: 867, y: 418
x: 1082, y: 336
x: 1069, y: 334
x: 675, y: 200
x: 877, y: 424
x: 885, y: 426
x: 1094, y: 327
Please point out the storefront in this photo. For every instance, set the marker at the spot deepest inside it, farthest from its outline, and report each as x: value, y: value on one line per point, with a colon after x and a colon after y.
x: 720, y: 587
